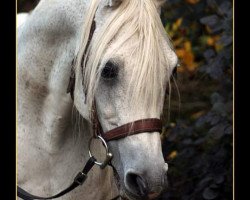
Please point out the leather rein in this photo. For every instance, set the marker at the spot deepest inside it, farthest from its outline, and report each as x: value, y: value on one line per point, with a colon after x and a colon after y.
x: 140, y: 126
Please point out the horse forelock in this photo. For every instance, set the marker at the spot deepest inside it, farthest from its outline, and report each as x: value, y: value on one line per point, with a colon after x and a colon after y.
x: 146, y: 82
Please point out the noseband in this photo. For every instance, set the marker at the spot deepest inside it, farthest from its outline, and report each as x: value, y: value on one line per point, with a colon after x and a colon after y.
x: 148, y: 125
x: 132, y: 128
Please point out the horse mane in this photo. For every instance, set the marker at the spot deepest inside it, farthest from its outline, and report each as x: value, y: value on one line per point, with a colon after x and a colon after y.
x: 148, y: 57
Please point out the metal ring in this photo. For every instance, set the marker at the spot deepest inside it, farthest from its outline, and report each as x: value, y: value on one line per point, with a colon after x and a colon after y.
x: 108, y: 154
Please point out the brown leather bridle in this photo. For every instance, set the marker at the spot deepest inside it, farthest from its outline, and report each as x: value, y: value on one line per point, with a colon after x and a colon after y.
x: 132, y: 128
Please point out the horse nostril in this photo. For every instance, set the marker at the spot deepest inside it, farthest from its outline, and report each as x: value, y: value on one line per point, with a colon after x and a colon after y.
x: 137, y: 185
x: 143, y: 188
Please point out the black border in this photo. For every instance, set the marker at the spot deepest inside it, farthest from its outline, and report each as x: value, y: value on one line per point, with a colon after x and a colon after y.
x: 242, y: 99
x: 8, y: 103
x: 8, y: 91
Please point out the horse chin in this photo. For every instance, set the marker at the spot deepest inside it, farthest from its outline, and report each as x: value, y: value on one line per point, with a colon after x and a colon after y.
x: 126, y: 195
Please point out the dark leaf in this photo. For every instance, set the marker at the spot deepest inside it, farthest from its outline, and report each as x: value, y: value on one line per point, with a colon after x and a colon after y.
x: 219, y: 179
x: 213, y: 22
x: 209, y: 54
x: 216, y: 119
x: 205, y: 181
x: 209, y: 194
x: 229, y: 130
x: 199, y: 141
x: 226, y: 8
x: 210, y: 21
x: 226, y: 40
x: 214, y: 186
x: 216, y: 97
x: 187, y: 141
x: 217, y: 131
x: 211, y: 3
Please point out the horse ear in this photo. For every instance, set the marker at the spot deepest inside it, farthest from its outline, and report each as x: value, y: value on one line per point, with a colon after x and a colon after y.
x: 113, y: 3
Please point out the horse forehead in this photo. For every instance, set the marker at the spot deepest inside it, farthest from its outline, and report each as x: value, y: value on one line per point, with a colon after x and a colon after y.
x: 124, y: 52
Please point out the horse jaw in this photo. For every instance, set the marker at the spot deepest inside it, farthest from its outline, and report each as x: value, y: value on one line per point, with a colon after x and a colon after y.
x: 113, y: 3
x: 79, y: 96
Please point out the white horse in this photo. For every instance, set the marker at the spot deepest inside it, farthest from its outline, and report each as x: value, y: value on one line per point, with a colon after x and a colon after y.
x: 124, y: 69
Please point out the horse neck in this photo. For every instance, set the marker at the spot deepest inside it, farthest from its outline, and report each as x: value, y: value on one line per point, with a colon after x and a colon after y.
x: 56, y: 143
x: 43, y: 73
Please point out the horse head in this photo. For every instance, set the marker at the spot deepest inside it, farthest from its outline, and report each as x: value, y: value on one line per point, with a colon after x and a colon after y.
x: 123, y: 66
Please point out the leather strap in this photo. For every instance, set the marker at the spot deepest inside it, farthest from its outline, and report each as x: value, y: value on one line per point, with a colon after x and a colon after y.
x: 96, y: 125
x: 72, y: 79
x: 78, y: 180
x: 139, y: 126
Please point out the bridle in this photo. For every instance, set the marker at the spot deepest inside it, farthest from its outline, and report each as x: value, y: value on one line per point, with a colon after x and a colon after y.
x: 148, y: 125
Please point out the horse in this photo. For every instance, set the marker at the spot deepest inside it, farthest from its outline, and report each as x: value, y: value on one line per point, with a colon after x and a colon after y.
x: 112, y: 58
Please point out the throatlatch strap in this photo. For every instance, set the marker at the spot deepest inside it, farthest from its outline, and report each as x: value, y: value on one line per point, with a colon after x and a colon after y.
x: 78, y: 180
x: 72, y: 79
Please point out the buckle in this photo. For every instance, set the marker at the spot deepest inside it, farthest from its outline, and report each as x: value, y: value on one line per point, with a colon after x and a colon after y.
x: 108, y: 154
x: 80, y: 178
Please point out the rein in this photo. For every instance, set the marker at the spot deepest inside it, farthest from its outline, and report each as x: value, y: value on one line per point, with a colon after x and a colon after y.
x: 140, y: 126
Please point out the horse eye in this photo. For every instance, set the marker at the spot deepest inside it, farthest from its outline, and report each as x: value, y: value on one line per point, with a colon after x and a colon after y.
x: 174, y: 74
x: 110, y: 71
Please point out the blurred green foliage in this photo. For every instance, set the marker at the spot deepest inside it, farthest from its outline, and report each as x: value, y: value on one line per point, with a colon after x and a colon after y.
x: 197, y: 138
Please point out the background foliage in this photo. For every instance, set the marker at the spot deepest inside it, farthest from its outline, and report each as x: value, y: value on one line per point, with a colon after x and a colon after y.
x: 197, y: 138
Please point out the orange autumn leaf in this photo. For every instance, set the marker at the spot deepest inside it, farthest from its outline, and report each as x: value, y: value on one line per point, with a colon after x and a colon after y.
x: 187, y: 57
x: 172, y: 155
x: 177, y: 24
x: 180, y: 69
x: 189, y: 61
x: 192, y: 1
x: 211, y: 41
x: 187, y: 46
x: 208, y: 29
x: 178, y: 41
x: 218, y: 47
x: 180, y: 53
x: 198, y: 114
